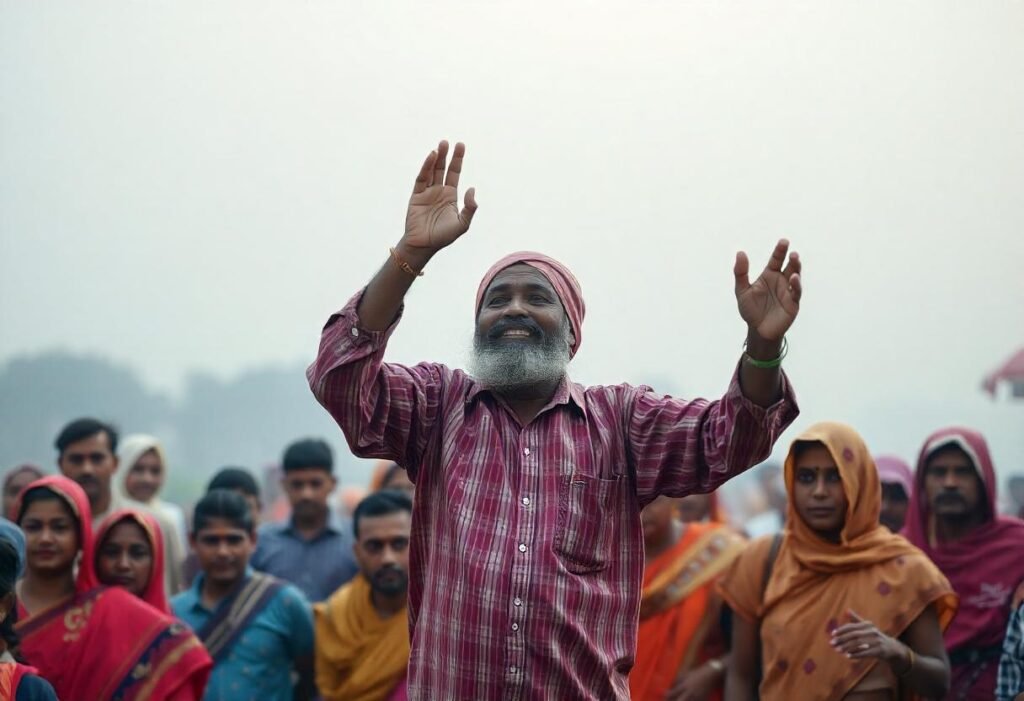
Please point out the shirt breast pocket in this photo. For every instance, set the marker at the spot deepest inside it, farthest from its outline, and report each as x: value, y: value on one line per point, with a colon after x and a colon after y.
x: 589, y: 515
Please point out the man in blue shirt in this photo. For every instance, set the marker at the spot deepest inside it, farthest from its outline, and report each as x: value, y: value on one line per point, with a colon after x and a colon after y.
x: 313, y: 548
x: 257, y: 628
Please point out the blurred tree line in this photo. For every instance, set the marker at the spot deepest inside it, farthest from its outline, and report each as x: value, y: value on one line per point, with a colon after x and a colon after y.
x: 245, y: 421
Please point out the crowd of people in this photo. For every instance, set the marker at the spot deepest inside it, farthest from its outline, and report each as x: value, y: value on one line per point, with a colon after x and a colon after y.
x: 525, y: 537
x: 317, y: 606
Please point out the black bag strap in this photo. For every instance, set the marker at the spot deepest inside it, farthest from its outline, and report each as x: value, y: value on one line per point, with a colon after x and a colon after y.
x: 769, y: 565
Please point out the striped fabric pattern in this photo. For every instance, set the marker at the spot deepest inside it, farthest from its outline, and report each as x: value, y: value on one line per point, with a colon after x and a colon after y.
x: 527, y: 550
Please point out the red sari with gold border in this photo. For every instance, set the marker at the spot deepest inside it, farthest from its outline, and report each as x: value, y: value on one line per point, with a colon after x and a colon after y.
x: 105, y: 644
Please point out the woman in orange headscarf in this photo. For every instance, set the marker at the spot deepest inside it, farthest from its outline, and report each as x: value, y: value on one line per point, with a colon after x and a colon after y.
x: 840, y: 607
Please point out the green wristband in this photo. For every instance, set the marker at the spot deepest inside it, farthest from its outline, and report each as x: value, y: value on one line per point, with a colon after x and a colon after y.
x: 768, y: 364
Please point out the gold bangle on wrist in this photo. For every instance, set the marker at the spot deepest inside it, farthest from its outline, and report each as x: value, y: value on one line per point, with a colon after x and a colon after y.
x: 403, y: 266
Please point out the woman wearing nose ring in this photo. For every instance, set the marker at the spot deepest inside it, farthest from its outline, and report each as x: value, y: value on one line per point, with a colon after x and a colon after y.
x: 839, y: 607
x: 130, y: 554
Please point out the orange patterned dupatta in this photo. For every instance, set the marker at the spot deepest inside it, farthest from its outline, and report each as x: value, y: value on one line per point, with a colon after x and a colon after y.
x: 679, y: 613
x: 814, y: 583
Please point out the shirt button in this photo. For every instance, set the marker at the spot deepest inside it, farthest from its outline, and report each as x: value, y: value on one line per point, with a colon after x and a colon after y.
x: 355, y: 331
x: 522, y: 548
x: 526, y: 451
x: 517, y: 601
x: 515, y: 626
x: 526, y: 501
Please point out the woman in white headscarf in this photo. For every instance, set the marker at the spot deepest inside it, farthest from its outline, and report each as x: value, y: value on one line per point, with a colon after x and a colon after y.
x: 144, y: 466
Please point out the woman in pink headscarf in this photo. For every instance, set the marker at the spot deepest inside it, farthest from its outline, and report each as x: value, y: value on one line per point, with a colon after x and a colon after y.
x: 897, y: 486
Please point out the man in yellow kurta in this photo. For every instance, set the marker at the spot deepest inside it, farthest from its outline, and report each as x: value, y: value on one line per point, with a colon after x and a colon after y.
x: 362, y: 630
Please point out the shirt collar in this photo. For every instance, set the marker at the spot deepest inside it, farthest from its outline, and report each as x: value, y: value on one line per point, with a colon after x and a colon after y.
x: 568, y: 393
x: 196, y: 590
x: 334, y: 526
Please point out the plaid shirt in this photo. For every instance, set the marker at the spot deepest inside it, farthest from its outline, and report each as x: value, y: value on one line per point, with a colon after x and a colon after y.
x: 527, y: 551
x: 1010, y: 681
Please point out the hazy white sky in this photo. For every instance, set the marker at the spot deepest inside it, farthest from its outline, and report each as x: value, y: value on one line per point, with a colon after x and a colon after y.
x: 190, y: 185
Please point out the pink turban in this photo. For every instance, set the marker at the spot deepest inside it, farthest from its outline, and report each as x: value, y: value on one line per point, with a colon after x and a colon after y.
x: 892, y: 470
x: 567, y: 287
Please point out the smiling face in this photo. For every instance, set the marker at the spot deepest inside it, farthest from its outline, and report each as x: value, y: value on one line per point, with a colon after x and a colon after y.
x: 51, y: 536
x: 523, y: 335
x: 223, y: 549
x: 818, y: 495
x: 145, y: 478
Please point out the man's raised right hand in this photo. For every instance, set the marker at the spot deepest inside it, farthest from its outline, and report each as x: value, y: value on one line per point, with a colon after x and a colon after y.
x: 433, y: 220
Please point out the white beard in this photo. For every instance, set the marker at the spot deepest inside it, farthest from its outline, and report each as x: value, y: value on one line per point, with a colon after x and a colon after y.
x: 507, y: 368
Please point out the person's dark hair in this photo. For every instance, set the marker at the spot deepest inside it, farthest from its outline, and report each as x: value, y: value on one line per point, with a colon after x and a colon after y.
x: 46, y: 494
x: 8, y: 578
x: 308, y: 453
x: 799, y: 448
x: 382, y: 503
x: 80, y: 429
x: 236, y: 478
x: 225, y: 504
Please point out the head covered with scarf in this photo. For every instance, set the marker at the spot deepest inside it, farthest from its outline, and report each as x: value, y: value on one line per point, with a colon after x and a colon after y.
x: 565, y: 284
x: 984, y: 566
x: 129, y: 451
x: 154, y: 593
x: 892, y: 470
x: 74, y: 497
x: 871, y: 571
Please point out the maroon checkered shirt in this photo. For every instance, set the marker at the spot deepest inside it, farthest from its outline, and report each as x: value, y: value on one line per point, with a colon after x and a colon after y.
x: 527, y: 552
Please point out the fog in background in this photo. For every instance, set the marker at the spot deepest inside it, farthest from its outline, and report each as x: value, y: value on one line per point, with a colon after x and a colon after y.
x: 188, y: 190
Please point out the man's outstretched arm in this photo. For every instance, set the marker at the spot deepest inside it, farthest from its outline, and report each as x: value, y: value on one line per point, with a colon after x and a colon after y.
x: 385, y: 410
x: 432, y: 222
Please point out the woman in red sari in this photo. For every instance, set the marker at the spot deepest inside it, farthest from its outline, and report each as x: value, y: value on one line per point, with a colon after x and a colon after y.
x: 130, y: 554
x: 98, y: 643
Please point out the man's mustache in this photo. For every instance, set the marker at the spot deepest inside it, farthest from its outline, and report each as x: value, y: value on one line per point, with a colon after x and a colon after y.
x: 524, y: 324
x: 388, y: 569
x: 950, y: 498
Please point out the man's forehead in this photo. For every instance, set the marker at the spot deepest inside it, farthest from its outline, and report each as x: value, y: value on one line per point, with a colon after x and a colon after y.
x: 391, y: 525
x: 520, y: 274
x: 221, y: 528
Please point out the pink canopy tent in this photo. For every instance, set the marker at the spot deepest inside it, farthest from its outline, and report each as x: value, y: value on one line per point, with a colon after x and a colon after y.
x: 1011, y: 371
